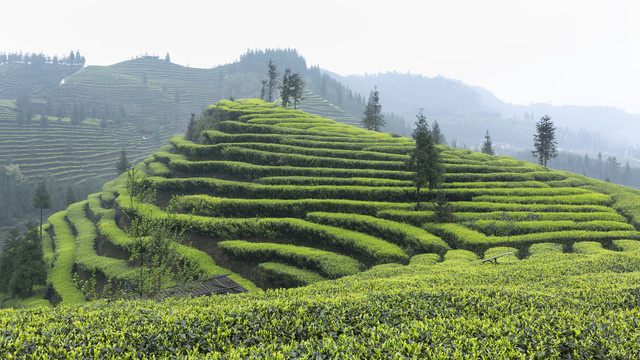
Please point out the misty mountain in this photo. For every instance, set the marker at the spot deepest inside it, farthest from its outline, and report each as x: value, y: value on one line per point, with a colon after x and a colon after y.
x: 465, y: 112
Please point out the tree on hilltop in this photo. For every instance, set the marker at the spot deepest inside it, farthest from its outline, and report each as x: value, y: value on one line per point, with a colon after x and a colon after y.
x: 544, y: 141
x: 487, y: 146
x: 296, y: 86
x: 167, y: 58
x: 372, y: 118
x: 291, y: 88
x: 424, y: 159
x: 272, y: 81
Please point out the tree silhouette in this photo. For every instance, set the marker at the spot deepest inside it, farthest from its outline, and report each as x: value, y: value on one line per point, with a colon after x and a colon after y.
x: 372, y: 118
x: 41, y: 200
x: 487, y: 146
x: 544, y: 141
x: 424, y: 159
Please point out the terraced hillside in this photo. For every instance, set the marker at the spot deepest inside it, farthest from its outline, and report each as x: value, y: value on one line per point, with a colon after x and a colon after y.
x: 283, y: 198
x: 278, y: 197
x: 153, y: 98
x: 70, y: 154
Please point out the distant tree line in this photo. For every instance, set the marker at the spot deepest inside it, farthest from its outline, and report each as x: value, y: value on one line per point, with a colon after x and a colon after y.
x: 17, y: 193
x: 78, y: 112
x: 40, y: 58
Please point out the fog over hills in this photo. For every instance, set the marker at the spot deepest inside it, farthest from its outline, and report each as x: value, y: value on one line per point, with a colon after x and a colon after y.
x: 465, y: 112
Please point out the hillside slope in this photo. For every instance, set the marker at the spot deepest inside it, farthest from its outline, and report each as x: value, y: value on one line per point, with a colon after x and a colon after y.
x: 319, y: 200
x: 136, y: 105
x: 282, y: 198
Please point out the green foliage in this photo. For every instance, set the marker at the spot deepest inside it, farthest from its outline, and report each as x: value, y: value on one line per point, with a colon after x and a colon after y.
x: 22, y: 264
x: 248, y: 208
x: 287, y: 276
x: 487, y: 146
x: 372, y: 118
x: 42, y: 199
x: 154, y: 240
x: 123, y: 164
x: 544, y: 140
x: 414, y: 239
x: 424, y: 160
x: 353, y: 318
x: 326, y: 263
x: 61, y: 276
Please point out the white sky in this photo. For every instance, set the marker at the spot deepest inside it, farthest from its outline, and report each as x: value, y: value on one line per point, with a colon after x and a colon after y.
x: 565, y: 52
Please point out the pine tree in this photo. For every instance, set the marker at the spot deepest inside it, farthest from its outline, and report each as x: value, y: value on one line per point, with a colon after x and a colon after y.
x: 41, y: 200
x: 424, y: 159
x: 69, y: 197
x: 263, y: 89
x: 296, y: 85
x: 123, y: 164
x: 437, y: 133
x: 22, y: 262
x: 372, y: 118
x: 544, y: 141
x: 272, y: 83
x: 285, y: 88
x: 487, y: 146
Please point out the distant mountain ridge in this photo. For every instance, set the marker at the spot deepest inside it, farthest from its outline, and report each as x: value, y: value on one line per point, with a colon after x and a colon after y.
x: 466, y: 111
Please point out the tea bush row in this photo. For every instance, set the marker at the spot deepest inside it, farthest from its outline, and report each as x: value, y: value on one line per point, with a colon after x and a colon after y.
x: 413, y: 238
x: 287, y: 276
x: 326, y: 263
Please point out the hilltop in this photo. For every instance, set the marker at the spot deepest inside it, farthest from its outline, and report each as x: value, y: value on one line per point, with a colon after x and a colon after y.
x: 134, y: 105
x: 278, y: 197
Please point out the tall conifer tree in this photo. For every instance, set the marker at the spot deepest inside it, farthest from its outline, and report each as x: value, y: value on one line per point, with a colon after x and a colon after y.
x: 544, y: 141
x: 372, y: 118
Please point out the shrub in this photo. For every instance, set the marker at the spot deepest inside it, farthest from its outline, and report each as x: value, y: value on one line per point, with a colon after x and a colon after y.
x: 326, y: 263
x: 288, y: 276
x: 415, y: 239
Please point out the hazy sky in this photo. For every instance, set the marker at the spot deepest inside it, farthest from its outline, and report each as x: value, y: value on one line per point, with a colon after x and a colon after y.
x: 562, y: 52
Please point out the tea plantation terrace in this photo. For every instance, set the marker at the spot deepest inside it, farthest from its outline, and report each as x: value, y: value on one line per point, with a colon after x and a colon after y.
x: 279, y: 197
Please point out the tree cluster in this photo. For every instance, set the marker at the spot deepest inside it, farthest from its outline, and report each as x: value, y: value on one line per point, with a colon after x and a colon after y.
x: 22, y: 263
x: 40, y: 58
x: 291, y: 88
x: 78, y: 112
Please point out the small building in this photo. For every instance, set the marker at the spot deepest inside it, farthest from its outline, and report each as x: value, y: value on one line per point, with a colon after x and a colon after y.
x: 216, y: 285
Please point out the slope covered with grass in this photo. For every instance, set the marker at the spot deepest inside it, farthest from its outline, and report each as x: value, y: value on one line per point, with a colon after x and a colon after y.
x: 278, y: 197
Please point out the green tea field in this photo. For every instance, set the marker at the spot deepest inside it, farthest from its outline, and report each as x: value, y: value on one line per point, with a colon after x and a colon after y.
x: 317, y: 220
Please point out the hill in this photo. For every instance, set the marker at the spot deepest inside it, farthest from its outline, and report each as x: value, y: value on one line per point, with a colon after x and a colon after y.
x: 278, y: 197
x: 79, y: 126
x: 466, y: 112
